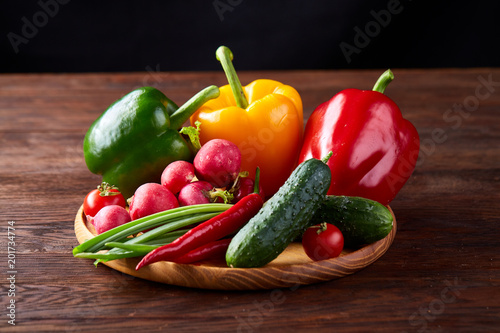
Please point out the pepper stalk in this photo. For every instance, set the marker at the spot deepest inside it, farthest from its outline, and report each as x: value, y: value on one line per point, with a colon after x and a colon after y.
x: 225, y: 56
x: 182, y: 114
x: 383, y: 81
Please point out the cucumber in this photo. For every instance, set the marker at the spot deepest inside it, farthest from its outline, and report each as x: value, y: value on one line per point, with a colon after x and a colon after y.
x: 283, y: 218
x: 361, y: 221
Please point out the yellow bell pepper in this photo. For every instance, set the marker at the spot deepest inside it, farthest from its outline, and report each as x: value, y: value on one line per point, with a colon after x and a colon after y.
x: 264, y: 119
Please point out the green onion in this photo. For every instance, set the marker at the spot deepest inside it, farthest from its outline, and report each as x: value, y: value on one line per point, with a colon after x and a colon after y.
x: 133, y: 247
x: 166, y: 229
x: 165, y: 238
x: 175, y: 218
x: 161, y: 235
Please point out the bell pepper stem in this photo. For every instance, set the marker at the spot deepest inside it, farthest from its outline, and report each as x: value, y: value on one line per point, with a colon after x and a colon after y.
x: 383, y: 81
x: 182, y: 114
x: 225, y: 56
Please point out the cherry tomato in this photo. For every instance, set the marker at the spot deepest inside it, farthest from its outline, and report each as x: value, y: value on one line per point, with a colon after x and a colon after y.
x: 323, y: 241
x: 104, y: 195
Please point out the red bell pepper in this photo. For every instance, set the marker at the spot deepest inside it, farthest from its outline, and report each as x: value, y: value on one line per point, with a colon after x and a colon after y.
x: 374, y: 148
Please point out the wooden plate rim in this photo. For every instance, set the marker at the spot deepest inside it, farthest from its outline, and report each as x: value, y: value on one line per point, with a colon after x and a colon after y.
x: 220, y: 277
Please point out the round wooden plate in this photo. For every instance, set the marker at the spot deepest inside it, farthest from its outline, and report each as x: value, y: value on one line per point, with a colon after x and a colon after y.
x: 291, y: 268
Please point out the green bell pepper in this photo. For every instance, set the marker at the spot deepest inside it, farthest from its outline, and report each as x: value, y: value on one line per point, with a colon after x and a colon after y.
x: 138, y: 136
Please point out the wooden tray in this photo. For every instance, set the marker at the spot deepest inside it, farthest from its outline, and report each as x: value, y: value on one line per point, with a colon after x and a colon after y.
x: 291, y: 268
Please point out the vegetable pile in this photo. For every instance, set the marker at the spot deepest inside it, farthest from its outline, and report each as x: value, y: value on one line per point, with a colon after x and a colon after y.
x: 244, y: 180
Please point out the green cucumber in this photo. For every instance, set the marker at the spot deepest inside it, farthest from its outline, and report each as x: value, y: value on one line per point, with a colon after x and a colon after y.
x: 283, y: 218
x: 361, y: 221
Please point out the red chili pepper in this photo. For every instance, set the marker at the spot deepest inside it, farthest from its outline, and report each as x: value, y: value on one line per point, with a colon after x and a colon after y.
x: 211, y: 250
x: 374, y: 148
x: 214, y: 229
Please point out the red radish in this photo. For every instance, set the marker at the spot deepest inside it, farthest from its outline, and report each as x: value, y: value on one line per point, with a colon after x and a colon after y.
x: 195, y: 193
x: 151, y: 198
x: 218, y: 162
x: 176, y: 175
x: 110, y: 217
x: 244, y: 187
x: 202, y: 192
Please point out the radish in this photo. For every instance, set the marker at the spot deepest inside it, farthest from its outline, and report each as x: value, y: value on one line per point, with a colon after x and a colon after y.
x: 176, y: 175
x: 151, y: 198
x: 110, y: 217
x: 218, y: 162
x: 202, y: 192
x: 195, y: 193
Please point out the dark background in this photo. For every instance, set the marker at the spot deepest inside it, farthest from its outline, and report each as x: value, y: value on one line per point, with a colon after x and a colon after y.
x: 107, y: 36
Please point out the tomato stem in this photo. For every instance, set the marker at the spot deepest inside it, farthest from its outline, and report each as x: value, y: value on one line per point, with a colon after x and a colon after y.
x: 105, y: 190
x: 322, y: 227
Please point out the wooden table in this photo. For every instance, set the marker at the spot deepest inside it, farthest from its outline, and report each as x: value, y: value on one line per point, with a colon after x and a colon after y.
x: 442, y: 274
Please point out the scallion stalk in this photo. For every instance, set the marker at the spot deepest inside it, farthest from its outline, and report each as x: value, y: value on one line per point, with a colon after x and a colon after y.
x: 177, y: 217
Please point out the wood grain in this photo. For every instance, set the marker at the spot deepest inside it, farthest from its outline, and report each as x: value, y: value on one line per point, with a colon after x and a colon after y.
x: 441, y: 274
x: 291, y: 268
